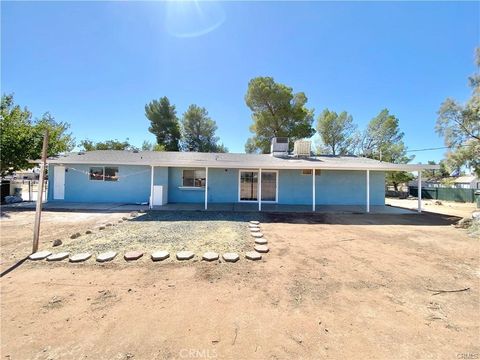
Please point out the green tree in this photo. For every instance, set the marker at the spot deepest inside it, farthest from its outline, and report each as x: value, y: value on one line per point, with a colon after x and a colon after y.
x: 89, y: 145
x: 198, y: 131
x: 383, y: 140
x: 164, y: 123
x: 148, y: 146
x: 21, y: 138
x: 337, y: 132
x: 459, y: 124
x: 276, y: 112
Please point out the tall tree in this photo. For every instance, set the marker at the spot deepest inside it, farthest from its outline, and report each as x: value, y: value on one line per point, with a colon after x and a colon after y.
x: 459, y: 124
x: 383, y: 140
x: 148, y: 146
x: 337, y: 132
x: 164, y: 123
x: 276, y: 112
x: 89, y: 145
x: 21, y: 137
x: 198, y: 131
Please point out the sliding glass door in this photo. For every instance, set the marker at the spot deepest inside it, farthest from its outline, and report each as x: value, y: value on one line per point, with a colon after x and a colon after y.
x: 249, y: 186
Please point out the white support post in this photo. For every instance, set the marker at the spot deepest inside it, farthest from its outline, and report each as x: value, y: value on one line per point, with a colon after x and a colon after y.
x: 150, y: 204
x: 368, y: 191
x: 313, y: 189
x: 419, y: 191
x: 206, y: 188
x: 259, y: 189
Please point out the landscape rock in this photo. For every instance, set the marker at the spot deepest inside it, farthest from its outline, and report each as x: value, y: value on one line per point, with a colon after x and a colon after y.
x: 261, y: 248
x: 57, y: 242
x: 476, y: 215
x: 76, y: 235
x: 256, y: 234
x: 58, y: 257
x: 80, y: 257
x: 231, y: 257
x: 40, y: 255
x: 134, y: 214
x: 438, y: 202
x: 185, y: 255
x: 253, y: 255
x: 101, y: 227
x: 210, y: 256
x: 261, y: 241
x: 160, y: 255
x: 109, y: 224
x: 106, y: 256
x: 133, y: 255
x: 89, y: 232
x: 124, y: 218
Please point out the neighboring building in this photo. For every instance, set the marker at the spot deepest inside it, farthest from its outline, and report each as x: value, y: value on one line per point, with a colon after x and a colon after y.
x: 460, y: 182
x: 158, y: 178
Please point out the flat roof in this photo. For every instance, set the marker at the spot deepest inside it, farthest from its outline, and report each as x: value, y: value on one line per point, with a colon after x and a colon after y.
x: 228, y: 160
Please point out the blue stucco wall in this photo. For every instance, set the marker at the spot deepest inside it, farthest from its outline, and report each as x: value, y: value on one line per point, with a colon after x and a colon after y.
x: 133, y: 185
x: 222, y: 187
x: 332, y: 187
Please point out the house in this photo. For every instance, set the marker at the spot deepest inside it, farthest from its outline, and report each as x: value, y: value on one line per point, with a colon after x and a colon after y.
x: 160, y: 178
x: 459, y: 182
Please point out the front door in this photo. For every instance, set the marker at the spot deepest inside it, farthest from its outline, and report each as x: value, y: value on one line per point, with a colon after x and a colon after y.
x: 59, y: 182
x: 249, y: 186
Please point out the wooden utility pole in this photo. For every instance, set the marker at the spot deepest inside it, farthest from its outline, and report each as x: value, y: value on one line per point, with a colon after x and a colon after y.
x: 38, y: 211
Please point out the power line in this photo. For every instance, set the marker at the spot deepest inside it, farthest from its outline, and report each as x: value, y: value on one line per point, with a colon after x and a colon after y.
x: 440, y: 148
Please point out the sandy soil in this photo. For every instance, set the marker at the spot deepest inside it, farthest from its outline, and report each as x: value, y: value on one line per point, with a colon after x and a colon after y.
x: 446, y: 207
x: 336, y: 286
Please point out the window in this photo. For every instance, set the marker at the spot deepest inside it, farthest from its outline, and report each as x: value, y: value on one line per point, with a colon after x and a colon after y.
x: 111, y: 173
x: 104, y: 173
x: 96, y: 173
x: 194, y: 178
x: 309, y: 172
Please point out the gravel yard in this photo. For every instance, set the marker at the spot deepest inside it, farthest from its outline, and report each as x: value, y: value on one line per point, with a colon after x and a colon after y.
x: 194, y: 231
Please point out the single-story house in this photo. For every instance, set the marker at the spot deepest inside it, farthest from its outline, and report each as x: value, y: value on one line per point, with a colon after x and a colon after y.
x: 159, y: 178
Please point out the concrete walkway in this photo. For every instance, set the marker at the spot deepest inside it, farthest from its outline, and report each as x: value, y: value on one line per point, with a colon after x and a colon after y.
x: 235, y: 207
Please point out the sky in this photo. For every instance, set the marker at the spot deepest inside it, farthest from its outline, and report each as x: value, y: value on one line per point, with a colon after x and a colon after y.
x: 96, y: 64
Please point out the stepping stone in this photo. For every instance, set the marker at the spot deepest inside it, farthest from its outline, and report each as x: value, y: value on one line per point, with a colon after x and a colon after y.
x: 80, y: 257
x: 185, y: 255
x: 261, y: 248
x: 230, y: 257
x: 40, y: 255
x: 106, y: 256
x: 254, y: 222
x: 160, y: 255
x: 256, y: 234
x: 251, y: 226
x: 210, y: 256
x: 253, y: 255
x: 133, y: 255
x: 261, y: 241
x: 254, y: 230
x: 58, y: 257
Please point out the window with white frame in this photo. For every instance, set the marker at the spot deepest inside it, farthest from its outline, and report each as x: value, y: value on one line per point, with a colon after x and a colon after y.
x: 104, y: 173
x: 309, y: 172
x: 194, y: 178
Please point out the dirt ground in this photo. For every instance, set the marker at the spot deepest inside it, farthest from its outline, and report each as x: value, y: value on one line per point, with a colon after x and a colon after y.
x: 443, y: 207
x: 332, y: 286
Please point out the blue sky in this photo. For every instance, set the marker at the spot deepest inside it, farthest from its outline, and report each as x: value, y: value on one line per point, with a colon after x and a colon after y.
x: 96, y: 64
